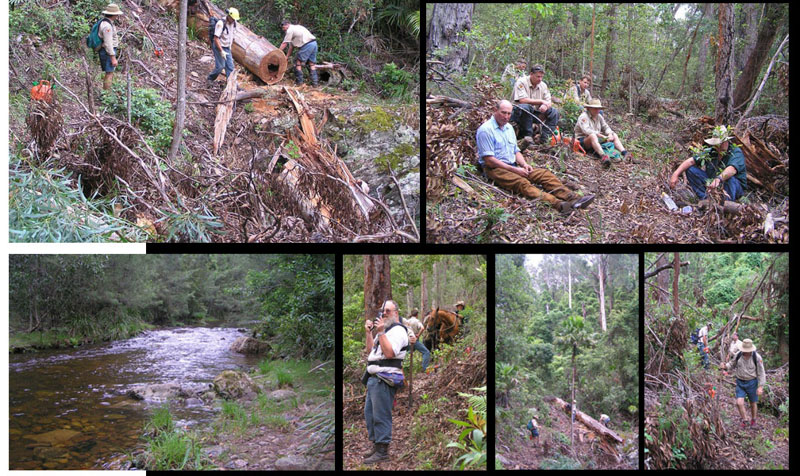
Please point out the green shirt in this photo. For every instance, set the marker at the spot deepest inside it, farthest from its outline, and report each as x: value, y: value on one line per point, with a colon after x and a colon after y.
x: 714, y: 166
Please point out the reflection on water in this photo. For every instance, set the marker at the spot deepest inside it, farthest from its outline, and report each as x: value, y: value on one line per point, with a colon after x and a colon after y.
x: 67, y: 410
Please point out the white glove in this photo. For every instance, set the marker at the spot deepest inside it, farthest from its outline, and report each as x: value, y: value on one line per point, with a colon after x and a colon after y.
x: 224, y: 55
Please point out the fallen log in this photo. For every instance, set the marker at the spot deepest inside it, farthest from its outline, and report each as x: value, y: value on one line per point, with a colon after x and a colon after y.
x: 590, y: 422
x: 447, y: 101
x: 254, y: 52
x: 224, y: 111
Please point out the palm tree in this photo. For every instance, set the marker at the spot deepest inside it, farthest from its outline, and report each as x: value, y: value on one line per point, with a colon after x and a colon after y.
x: 574, y: 335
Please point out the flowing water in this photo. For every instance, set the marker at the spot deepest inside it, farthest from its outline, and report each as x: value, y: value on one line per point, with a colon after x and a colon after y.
x: 68, y: 409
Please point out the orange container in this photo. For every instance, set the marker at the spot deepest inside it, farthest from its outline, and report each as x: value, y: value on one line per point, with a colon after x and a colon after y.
x: 42, y: 91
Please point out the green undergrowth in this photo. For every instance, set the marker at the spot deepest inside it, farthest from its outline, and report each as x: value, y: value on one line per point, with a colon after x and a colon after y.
x: 79, y: 330
x: 168, y: 447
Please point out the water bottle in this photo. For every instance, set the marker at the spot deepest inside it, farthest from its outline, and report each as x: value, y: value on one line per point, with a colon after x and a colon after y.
x: 670, y: 204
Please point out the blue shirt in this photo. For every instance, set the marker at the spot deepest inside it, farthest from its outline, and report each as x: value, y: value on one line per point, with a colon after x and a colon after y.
x: 501, y: 143
x: 714, y: 166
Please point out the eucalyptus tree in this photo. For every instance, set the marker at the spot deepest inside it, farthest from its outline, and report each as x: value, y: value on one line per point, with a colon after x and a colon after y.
x: 574, y: 336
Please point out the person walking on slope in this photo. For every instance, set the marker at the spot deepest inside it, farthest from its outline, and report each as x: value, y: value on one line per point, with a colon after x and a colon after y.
x: 533, y: 427
x: 306, y: 44
x: 224, y: 33
x: 702, y: 343
x: 108, y: 50
x: 734, y: 347
x: 750, y: 379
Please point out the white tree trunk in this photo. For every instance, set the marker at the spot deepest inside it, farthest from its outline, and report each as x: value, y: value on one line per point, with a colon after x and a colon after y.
x: 600, y: 272
x: 569, y: 279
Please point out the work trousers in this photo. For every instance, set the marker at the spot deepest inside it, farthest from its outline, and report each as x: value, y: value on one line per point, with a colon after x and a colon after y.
x: 220, y: 63
x: 426, y: 354
x: 524, y: 185
x: 700, y: 348
x: 697, y: 178
x: 378, y: 410
x: 521, y: 116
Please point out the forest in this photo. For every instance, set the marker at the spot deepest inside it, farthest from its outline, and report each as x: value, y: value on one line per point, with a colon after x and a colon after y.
x: 692, y: 420
x: 438, y: 416
x: 667, y: 75
x: 567, y: 329
x: 164, y: 362
x: 166, y: 153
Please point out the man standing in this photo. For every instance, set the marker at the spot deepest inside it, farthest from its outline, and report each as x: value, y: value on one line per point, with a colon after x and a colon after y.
x: 750, y: 379
x: 417, y: 327
x: 734, y: 347
x: 503, y: 162
x: 224, y: 33
x: 702, y: 343
x: 299, y: 37
x: 384, y: 375
x: 591, y: 128
x: 723, y: 162
x: 532, y: 96
x: 108, y: 50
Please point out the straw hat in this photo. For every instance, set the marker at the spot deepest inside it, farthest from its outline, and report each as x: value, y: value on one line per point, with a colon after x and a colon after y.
x: 719, y: 135
x: 594, y: 103
x: 112, y: 9
x: 746, y: 346
x: 459, y: 303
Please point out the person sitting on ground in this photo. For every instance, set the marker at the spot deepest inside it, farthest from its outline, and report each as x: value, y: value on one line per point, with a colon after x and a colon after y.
x: 702, y: 343
x: 750, y: 379
x: 532, y: 96
x: 502, y: 160
x: 579, y: 92
x: 734, y: 347
x: 533, y: 427
x: 514, y: 71
x: 591, y: 128
x: 723, y: 161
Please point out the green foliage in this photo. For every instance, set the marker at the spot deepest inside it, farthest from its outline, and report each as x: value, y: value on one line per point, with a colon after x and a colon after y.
x: 394, y: 81
x: 472, y: 441
x: 285, y: 379
x: 54, y: 23
x: 148, y: 112
x: 168, y: 448
x: 561, y: 462
x: 195, y: 226
x: 160, y: 421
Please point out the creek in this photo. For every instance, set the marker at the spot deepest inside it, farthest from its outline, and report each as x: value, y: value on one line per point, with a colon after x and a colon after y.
x: 68, y: 408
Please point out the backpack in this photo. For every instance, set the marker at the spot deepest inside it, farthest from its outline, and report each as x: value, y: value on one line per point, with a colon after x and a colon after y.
x: 212, y: 26
x: 695, y: 336
x: 739, y: 354
x: 611, y: 151
x: 530, y: 425
x: 93, y: 40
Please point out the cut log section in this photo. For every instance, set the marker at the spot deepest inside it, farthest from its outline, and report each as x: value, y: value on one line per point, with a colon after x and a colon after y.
x: 224, y: 111
x: 254, y: 52
x: 590, y: 422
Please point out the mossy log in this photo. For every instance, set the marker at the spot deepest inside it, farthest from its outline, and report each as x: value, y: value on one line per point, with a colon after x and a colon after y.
x: 590, y: 422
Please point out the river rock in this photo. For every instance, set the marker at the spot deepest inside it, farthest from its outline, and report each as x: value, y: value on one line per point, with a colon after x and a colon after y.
x: 281, y: 395
x: 159, y: 392
x: 293, y: 463
x: 236, y: 464
x: 54, y: 437
x: 215, y: 451
x: 193, y: 402
x: 233, y: 385
x: 49, y: 453
x: 249, y: 346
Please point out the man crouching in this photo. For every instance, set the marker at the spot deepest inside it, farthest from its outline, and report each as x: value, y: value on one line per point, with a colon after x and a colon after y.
x: 384, y: 376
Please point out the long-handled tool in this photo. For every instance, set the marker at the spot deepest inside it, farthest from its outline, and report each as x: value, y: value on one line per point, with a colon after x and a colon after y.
x: 411, y: 378
x: 158, y: 51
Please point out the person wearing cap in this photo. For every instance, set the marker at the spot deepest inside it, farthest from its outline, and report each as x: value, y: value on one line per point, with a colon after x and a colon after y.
x: 503, y: 162
x: 750, y: 379
x: 591, y: 128
x: 299, y: 37
x: 108, y: 51
x: 224, y: 33
x: 734, y: 347
x: 702, y: 342
x: 415, y: 326
x: 532, y: 96
x: 514, y: 71
x: 533, y: 427
x: 723, y: 166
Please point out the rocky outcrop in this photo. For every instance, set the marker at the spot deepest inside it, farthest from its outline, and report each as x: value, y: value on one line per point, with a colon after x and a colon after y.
x: 54, y: 437
x: 233, y: 385
x: 160, y: 392
x: 281, y: 395
x: 249, y: 346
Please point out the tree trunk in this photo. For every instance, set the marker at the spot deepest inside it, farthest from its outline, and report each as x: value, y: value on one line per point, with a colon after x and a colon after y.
x: 747, y: 28
x: 609, y: 66
x: 449, y: 22
x: 689, y: 54
x: 423, y: 298
x: 377, y: 283
x: 602, y: 294
x: 574, y: 410
x: 662, y: 280
x: 591, y: 50
x: 409, y: 300
x: 723, y: 105
x: 569, y: 278
x: 590, y: 422
x: 437, y: 301
x: 766, y: 35
x: 676, y: 272
x: 180, y: 109
x: 671, y: 59
x: 700, y: 72
x: 255, y: 53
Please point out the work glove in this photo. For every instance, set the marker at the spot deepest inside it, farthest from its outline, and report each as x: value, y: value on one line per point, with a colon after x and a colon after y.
x: 224, y: 55
x: 705, y: 350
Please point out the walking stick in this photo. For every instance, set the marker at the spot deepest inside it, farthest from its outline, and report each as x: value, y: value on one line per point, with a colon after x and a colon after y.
x: 411, y: 378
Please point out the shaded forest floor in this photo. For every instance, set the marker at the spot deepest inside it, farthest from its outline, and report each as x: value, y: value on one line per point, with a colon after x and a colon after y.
x: 516, y: 451
x: 766, y: 447
x: 420, y: 433
x: 628, y: 207
x: 222, y: 197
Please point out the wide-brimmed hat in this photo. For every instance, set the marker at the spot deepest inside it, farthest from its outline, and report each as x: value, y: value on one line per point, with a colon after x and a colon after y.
x: 594, y: 103
x: 112, y: 9
x: 460, y: 303
x: 746, y: 346
x: 719, y: 135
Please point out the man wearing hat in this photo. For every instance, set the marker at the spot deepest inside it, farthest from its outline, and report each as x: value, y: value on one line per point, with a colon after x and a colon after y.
x: 532, y: 96
x: 224, y: 33
x: 702, y: 343
x: 750, y: 379
x: 306, y: 44
x: 734, y: 347
x: 591, y: 128
x: 724, y: 165
x: 108, y: 51
x: 503, y: 162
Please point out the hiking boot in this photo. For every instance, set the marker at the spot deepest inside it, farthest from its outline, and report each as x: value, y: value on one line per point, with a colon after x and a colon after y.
x: 526, y: 142
x: 566, y: 207
x: 314, y: 77
x: 381, y: 454
x: 754, y: 425
x: 629, y: 157
x: 298, y: 75
x: 605, y: 161
x: 744, y: 425
x: 372, y: 451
